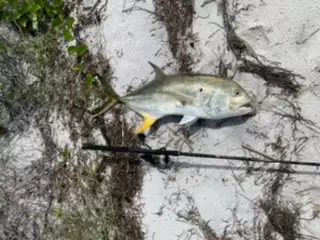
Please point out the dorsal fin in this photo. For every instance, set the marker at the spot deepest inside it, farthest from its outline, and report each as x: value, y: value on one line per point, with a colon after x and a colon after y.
x: 159, y: 74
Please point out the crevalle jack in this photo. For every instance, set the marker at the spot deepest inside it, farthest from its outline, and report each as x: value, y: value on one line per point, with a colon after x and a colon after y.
x: 193, y: 96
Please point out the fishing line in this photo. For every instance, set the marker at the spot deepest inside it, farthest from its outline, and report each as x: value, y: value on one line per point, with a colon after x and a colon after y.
x: 175, y: 153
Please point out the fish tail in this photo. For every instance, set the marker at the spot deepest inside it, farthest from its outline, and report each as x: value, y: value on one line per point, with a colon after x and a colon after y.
x: 105, y: 107
x: 113, y: 99
x: 148, y: 121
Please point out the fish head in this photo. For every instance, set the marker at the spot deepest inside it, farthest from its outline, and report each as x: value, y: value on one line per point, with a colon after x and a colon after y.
x: 229, y: 100
x: 238, y: 98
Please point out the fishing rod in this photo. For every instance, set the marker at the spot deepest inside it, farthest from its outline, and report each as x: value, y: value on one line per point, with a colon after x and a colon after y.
x: 163, y: 151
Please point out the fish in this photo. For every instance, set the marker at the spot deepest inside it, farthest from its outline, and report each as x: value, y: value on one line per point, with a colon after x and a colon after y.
x: 191, y: 95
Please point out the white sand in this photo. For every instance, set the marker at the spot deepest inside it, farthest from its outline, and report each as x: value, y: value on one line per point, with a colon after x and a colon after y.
x: 272, y: 28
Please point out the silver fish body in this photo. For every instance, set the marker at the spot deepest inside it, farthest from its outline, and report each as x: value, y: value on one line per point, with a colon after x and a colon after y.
x: 202, y: 96
x: 192, y: 96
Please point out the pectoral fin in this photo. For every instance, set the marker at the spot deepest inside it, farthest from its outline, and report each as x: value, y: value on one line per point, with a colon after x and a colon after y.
x: 188, y: 120
x: 184, y: 100
x: 149, y: 120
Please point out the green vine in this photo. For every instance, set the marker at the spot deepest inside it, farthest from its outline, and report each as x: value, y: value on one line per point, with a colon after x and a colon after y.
x: 34, y: 17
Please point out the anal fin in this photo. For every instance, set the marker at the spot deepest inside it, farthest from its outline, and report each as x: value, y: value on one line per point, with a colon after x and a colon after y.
x: 188, y: 120
x: 149, y: 120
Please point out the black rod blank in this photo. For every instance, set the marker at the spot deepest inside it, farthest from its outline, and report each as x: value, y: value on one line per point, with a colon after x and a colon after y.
x: 165, y: 152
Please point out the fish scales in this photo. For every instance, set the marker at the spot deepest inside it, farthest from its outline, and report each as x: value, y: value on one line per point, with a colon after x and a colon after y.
x: 192, y: 96
x: 182, y: 83
x: 157, y: 96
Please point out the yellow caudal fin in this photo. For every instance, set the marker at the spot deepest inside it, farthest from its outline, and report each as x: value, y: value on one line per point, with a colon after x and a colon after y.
x: 149, y: 120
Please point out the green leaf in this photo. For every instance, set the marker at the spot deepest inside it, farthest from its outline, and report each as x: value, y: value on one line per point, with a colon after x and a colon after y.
x: 82, y: 49
x: 56, y: 23
x: 77, y: 67
x: 66, y: 154
x: 2, y: 48
x: 7, y: 17
x: 14, y: 3
x: 39, y: 2
x: 57, y: 212
x: 89, y: 79
x: 73, y: 50
x: 35, y: 21
x: 52, y: 11
x: 57, y: 3
x: 70, y: 22
x: 26, y: 8
x: 35, y: 7
x: 22, y: 21
x: 78, y: 50
x: 67, y: 35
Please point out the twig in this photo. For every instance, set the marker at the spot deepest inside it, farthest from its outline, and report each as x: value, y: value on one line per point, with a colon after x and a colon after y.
x: 307, y: 38
x: 236, y: 178
x: 275, y: 76
x: 136, y: 8
x: 207, y: 2
x: 257, y: 152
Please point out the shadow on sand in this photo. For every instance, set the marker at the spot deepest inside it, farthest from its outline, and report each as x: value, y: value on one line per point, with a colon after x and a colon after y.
x: 157, y: 162
x: 184, y: 165
x: 166, y: 163
x: 201, y: 123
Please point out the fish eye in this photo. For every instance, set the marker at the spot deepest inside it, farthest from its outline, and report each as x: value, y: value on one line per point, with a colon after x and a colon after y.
x: 236, y: 92
x: 200, y: 89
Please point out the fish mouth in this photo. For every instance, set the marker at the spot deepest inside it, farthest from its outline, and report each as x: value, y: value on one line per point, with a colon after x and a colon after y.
x: 248, y: 107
